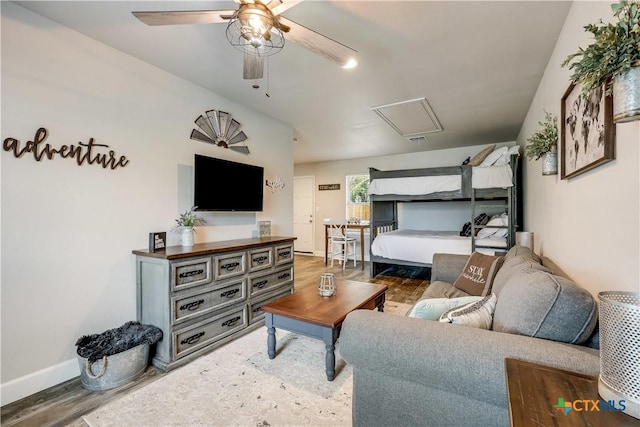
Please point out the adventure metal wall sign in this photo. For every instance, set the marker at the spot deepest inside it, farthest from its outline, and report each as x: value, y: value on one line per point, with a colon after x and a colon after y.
x: 83, y: 152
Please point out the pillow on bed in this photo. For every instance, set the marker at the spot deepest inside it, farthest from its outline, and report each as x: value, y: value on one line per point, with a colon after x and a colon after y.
x: 496, y: 220
x: 478, y: 158
x: 478, y: 274
x: 477, y: 314
x: 506, y: 157
x: 432, y: 308
x: 481, y: 219
x: 494, y: 156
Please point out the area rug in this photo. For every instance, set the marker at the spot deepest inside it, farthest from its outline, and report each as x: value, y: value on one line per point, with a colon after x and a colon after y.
x: 238, y: 385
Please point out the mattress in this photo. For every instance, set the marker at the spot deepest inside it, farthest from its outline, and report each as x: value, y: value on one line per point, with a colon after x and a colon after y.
x: 500, y: 176
x: 415, y: 185
x: 420, y: 245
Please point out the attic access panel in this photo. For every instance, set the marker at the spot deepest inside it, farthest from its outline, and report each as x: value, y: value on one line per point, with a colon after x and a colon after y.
x: 410, y: 118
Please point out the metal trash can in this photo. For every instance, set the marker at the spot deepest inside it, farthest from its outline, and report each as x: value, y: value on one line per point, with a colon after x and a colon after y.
x: 619, y: 378
x: 113, y: 371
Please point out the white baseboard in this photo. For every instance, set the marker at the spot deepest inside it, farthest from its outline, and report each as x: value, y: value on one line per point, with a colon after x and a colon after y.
x: 37, y: 381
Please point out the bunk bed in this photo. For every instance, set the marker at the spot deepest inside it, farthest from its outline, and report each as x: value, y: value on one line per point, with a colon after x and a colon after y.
x: 484, y: 187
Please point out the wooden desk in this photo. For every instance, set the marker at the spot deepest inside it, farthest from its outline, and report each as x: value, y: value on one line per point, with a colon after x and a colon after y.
x: 534, y: 392
x: 360, y: 227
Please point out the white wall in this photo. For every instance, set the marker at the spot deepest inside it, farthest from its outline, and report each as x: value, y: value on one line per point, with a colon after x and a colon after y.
x: 332, y: 203
x: 589, y: 225
x: 68, y: 230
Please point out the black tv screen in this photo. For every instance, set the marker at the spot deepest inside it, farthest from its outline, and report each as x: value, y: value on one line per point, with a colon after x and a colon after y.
x: 223, y: 185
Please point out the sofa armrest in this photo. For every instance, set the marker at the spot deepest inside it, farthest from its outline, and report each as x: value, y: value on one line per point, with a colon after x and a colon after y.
x: 457, y: 359
x: 447, y: 267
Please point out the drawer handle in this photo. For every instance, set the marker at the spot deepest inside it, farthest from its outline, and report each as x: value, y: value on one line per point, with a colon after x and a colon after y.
x: 260, y: 259
x: 284, y: 254
x: 260, y: 284
x: 231, y: 322
x: 230, y: 293
x: 192, y: 339
x: 230, y: 266
x: 283, y: 276
x: 190, y: 273
x: 257, y: 309
x: 191, y: 306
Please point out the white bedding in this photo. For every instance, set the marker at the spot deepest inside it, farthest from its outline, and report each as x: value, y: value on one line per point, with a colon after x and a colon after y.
x: 481, y: 177
x: 416, y: 185
x: 420, y: 245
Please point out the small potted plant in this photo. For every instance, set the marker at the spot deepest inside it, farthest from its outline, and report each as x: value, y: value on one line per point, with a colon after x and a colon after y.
x: 544, y: 143
x: 185, y: 223
x: 613, y: 60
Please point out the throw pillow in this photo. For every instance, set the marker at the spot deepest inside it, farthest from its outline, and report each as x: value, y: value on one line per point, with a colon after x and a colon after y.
x: 477, y: 276
x: 505, y: 159
x: 477, y: 314
x: 478, y: 158
x: 481, y: 219
x: 432, y: 308
x: 496, y: 220
x: 493, y: 157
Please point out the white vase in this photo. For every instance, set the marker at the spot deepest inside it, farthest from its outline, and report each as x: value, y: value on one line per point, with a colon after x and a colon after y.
x: 187, y: 236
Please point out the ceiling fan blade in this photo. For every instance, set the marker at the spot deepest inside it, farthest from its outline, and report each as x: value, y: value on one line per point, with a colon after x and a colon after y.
x: 279, y: 6
x: 178, y: 17
x: 253, y: 67
x: 316, y: 42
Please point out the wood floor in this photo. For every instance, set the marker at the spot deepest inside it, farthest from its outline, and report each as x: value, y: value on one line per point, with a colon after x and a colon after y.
x: 66, y: 403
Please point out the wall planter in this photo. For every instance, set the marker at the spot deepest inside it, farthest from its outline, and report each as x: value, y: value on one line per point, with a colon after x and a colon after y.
x: 550, y: 162
x: 626, y: 96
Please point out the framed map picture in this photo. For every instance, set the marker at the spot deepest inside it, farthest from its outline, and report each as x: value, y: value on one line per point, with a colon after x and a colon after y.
x: 587, y: 130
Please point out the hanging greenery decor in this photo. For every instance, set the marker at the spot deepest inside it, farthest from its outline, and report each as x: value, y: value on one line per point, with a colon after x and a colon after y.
x: 545, y: 139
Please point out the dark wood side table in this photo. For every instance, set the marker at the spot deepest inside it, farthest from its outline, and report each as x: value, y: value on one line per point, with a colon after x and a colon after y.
x: 534, y: 393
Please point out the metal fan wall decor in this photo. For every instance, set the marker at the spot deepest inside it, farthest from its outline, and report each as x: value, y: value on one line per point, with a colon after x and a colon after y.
x: 258, y: 29
x: 219, y: 128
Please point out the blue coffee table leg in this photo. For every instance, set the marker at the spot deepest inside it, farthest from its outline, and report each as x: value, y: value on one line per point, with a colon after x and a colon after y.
x: 271, y: 336
x: 329, y: 337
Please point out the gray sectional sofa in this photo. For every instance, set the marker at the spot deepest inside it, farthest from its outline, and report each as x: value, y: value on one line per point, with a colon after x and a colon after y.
x: 416, y: 372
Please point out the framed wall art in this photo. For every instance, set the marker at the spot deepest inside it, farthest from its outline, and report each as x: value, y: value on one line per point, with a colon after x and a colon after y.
x: 587, y: 130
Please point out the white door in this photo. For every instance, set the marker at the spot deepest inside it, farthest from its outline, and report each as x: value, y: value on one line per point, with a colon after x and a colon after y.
x: 303, y: 217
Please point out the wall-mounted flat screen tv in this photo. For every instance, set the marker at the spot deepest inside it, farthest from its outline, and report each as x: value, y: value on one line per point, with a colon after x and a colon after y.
x: 223, y: 185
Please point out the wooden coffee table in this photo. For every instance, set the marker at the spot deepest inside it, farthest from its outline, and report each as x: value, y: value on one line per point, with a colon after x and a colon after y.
x: 307, y: 313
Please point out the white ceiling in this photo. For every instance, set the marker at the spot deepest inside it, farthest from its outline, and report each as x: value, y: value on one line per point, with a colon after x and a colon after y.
x: 477, y: 63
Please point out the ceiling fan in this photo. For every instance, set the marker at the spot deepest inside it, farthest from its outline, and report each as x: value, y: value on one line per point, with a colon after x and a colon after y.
x: 258, y: 29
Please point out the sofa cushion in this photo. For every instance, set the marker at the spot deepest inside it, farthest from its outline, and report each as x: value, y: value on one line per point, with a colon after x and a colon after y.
x: 440, y: 289
x: 513, y: 267
x: 523, y: 251
x: 478, y: 274
x: 432, y: 308
x: 539, y: 304
x: 477, y: 314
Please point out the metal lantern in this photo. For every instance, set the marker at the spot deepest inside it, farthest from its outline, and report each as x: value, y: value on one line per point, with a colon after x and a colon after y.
x: 327, y: 285
x: 619, y: 378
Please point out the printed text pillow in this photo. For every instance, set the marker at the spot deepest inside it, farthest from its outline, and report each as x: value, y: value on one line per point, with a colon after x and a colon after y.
x: 477, y: 276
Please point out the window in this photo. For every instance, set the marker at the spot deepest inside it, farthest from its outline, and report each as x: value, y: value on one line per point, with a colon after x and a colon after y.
x: 358, y: 197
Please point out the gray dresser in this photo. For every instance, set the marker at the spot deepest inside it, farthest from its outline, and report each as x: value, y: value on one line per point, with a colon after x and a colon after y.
x: 208, y: 294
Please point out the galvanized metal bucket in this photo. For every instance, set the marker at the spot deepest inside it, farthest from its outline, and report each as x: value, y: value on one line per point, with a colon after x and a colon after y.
x: 114, y: 371
x: 626, y: 96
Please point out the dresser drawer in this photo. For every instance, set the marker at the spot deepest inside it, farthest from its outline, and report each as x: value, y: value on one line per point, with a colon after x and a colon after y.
x: 255, y: 307
x: 193, y: 272
x: 188, y: 306
x: 190, y: 339
x: 266, y: 283
x: 229, y: 265
x: 259, y: 259
x: 284, y: 254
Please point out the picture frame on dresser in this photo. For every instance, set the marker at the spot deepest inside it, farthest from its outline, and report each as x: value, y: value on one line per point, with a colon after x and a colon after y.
x: 157, y: 241
x: 587, y: 130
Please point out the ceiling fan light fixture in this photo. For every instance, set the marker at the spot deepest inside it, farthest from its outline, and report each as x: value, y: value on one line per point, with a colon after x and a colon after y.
x: 253, y: 29
x: 351, y: 63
